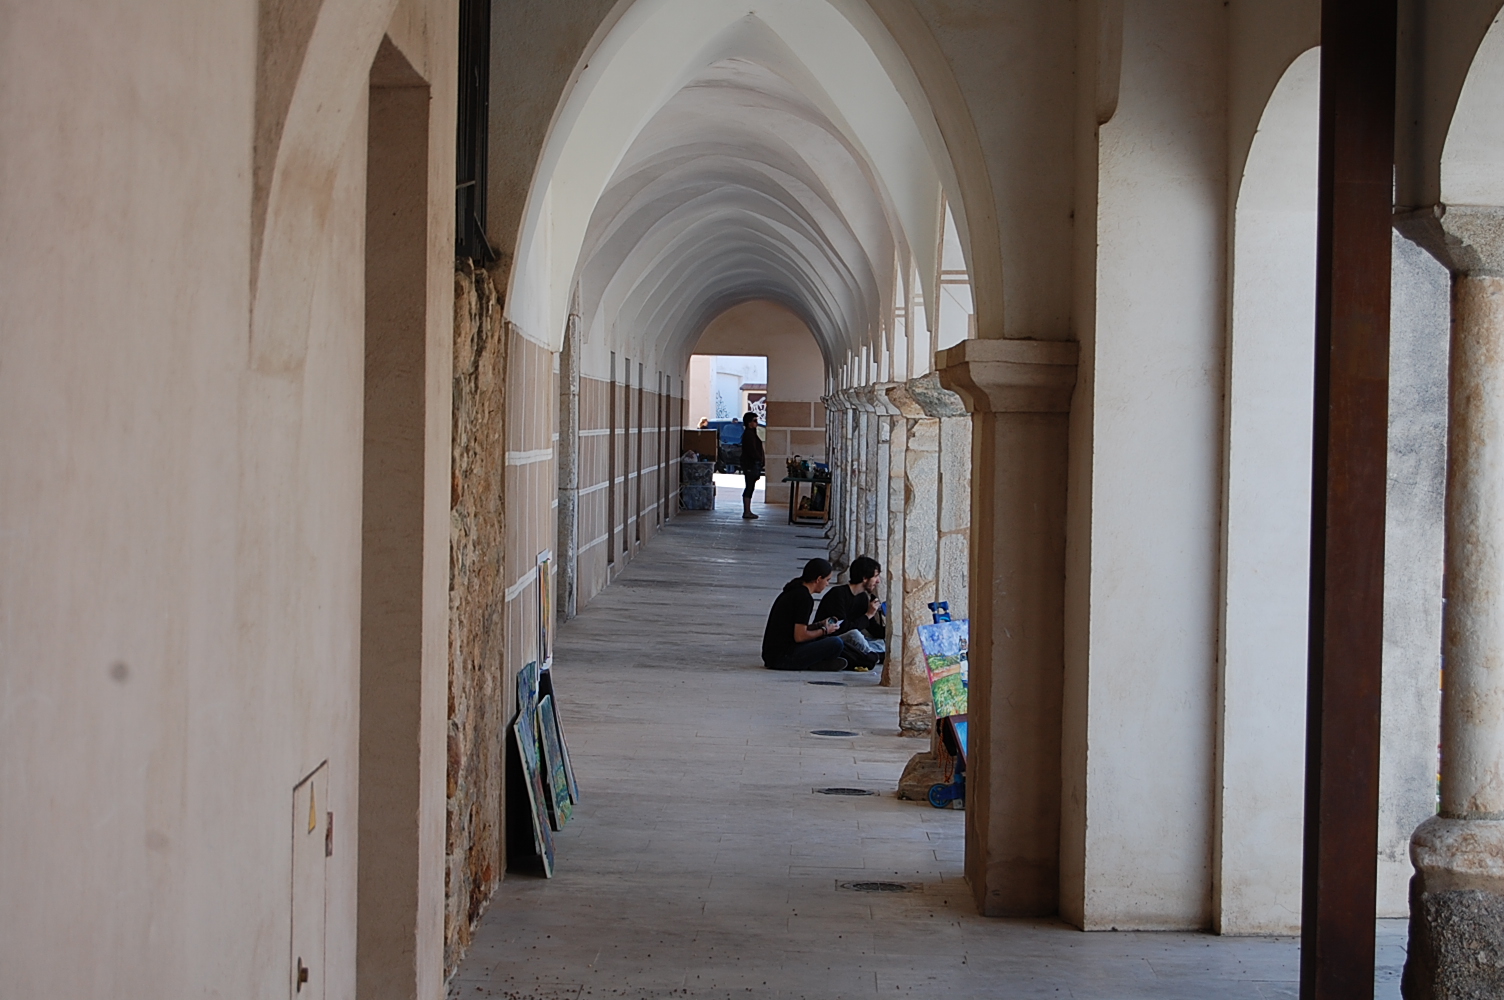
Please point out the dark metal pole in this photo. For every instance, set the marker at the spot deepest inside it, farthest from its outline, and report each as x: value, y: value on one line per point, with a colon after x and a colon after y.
x: 1347, y: 501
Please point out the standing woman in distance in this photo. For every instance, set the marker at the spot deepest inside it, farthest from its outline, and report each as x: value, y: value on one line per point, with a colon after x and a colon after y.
x: 753, y: 461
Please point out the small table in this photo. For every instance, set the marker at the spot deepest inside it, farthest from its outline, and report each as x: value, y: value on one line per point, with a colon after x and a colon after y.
x: 796, y: 483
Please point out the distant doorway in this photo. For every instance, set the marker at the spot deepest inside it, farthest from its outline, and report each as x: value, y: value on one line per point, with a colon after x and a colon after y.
x: 725, y: 386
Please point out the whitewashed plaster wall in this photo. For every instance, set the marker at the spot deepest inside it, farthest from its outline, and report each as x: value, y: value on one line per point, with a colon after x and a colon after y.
x: 1266, y: 554
x: 1266, y: 522
x: 1013, y: 69
x: 1438, y: 44
x: 698, y: 389
x: 1141, y: 627
x: 180, y: 565
x: 796, y: 371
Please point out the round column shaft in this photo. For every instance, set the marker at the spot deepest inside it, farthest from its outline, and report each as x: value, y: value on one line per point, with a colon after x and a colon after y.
x: 1472, y: 775
x: 1456, y: 949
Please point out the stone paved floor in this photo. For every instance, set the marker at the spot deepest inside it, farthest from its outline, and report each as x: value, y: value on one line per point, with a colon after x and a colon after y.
x: 702, y: 864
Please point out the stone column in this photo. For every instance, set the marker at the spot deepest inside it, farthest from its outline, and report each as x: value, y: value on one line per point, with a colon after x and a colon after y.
x: 853, y: 492
x: 1457, y: 894
x: 883, y: 438
x: 866, y: 479
x: 856, y: 468
x: 1019, y: 395
x: 842, y: 487
x: 895, y: 495
x: 567, y: 557
x: 835, y: 454
x: 884, y: 415
x: 916, y: 712
x: 911, y: 580
x: 953, y: 480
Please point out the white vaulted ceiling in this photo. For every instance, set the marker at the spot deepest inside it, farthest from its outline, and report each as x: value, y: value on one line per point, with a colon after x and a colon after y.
x: 709, y: 154
x: 739, y: 188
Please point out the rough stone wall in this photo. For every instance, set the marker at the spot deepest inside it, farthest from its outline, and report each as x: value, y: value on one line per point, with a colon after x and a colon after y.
x: 474, y: 840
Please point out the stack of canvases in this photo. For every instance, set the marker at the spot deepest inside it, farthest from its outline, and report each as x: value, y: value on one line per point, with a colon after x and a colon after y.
x: 539, y: 773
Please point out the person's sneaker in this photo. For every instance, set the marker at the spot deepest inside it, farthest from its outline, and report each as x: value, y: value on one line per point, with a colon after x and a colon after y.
x: 749, y: 516
x: 839, y: 663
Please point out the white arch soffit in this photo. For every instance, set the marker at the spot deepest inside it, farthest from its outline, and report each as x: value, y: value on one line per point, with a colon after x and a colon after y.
x: 1472, y: 161
x: 1278, y: 172
x: 656, y: 49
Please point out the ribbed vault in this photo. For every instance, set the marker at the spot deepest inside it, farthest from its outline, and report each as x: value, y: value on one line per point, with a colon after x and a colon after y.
x: 738, y: 188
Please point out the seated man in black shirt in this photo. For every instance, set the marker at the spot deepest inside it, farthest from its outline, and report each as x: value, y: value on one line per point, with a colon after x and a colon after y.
x: 856, y: 607
x: 790, y: 642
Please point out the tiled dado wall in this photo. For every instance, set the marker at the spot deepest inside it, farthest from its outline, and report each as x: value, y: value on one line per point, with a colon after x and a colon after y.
x: 793, y: 429
x: 628, y: 480
x: 532, y: 489
x: 629, y: 469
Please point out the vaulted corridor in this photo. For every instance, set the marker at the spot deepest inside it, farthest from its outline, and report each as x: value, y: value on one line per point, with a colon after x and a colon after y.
x: 703, y: 863
x: 362, y: 360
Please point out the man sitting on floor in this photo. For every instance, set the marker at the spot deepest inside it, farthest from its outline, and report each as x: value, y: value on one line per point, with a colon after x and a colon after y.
x: 789, y: 642
x: 856, y: 607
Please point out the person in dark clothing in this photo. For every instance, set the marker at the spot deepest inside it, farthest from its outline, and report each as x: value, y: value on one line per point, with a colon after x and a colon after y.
x: 855, y: 604
x: 856, y: 607
x: 754, y: 459
x: 790, y: 642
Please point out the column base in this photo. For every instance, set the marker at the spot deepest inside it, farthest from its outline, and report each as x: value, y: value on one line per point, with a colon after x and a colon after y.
x: 922, y: 771
x: 1456, y: 911
x: 916, y: 720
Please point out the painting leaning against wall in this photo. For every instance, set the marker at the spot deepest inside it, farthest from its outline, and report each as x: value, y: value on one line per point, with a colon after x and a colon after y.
x: 545, y: 609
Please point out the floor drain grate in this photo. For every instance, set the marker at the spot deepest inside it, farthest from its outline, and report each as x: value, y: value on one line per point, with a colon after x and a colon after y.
x: 843, y: 734
x: 845, y: 791
x: 877, y: 886
x: 830, y: 684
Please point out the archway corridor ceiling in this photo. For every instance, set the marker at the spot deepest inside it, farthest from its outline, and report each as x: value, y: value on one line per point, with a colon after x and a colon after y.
x: 738, y: 188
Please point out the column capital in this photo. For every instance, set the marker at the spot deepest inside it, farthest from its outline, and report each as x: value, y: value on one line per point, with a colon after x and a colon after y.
x: 1467, y: 239
x: 864, y: 398
x: 1011, y: 376
x: 838, y: 400
x: 903, y: 401
x: 924, y: 397
x: 882, y: 402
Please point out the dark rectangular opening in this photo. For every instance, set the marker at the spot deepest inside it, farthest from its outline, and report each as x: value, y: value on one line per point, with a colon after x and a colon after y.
x: 473, y: 115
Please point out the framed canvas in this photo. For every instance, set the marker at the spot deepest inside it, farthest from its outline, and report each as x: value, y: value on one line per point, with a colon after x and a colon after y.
x: 555, y: 782
x: 945, y: 657
x: 545, y: 609
x: 524, y: 734
x: 546, y: 687
x: 527, y: 688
